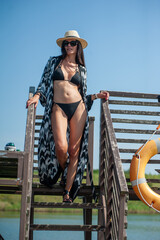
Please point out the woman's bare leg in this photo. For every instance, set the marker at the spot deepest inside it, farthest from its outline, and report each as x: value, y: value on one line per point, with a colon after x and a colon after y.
x: 77, y: 124
x: 59, y: 128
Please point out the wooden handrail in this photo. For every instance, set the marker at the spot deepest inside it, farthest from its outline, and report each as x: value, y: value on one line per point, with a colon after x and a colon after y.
x: 113, y: 186
x: 114, y: 149
x: 134, y: 95
x: 28, y: 148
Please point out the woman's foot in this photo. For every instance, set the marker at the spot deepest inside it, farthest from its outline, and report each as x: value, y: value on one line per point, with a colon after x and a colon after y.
x: 66, y: 197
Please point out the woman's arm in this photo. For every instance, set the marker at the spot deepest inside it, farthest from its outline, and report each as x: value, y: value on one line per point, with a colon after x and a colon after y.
x: 101, y: 94
x: 34, y: 100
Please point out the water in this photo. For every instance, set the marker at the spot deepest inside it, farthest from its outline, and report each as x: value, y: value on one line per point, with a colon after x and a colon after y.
x: 142, y: 227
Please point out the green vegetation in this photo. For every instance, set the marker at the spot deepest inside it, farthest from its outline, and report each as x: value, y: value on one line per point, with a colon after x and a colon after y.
x: 9, y: 202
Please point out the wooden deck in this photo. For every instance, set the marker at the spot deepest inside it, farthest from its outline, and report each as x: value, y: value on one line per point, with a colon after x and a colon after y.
x: 127, y: 120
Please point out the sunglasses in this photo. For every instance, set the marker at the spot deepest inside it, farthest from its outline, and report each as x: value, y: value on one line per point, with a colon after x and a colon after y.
x: 72, y: 43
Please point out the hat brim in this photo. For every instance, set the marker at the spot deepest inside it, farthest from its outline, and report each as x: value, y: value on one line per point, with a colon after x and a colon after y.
x: 81, y: 40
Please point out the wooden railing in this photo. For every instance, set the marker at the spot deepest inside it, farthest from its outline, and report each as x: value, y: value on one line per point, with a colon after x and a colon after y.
x: 113, y: 186
x: 135, y: 117
x: 28, y: 148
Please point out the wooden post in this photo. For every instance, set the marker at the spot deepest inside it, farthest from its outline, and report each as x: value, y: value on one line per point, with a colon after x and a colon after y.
x: 87, y: 218
x: 24, y: 198
x: 28, y: 148
x: 31, y: 217
x: 121, y: 226
x: 87, y: 213
x: 101, y: 213
x: 90, y: 146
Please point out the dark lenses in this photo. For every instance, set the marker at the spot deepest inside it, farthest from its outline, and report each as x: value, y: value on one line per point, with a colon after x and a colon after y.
x: 72, y: 43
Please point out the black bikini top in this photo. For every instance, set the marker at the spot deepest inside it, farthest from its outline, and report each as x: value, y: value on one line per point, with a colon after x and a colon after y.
x: 58, y: 75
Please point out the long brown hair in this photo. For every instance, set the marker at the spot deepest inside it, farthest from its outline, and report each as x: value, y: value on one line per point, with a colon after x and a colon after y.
x: 79, y: 55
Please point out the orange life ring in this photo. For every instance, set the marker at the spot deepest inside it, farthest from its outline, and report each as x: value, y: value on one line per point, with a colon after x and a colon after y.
x: 137, y: 174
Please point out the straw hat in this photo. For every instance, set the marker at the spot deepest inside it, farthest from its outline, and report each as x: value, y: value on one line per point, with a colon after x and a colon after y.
x: 72, y: 34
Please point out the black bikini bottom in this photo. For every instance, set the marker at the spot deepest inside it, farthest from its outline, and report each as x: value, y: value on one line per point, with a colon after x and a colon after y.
x: 69, y: 108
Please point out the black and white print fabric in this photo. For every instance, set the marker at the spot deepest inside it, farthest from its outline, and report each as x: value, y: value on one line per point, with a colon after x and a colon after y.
x: 48, y: 165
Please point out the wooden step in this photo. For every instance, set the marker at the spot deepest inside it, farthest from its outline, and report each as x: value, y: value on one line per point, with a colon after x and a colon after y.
x: 50, y: 227
x: 37, y: 176
x: 67, y: 205
x: 57, y: 190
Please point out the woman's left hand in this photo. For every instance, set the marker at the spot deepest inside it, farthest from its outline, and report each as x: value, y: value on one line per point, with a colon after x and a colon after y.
x: 103, y: 94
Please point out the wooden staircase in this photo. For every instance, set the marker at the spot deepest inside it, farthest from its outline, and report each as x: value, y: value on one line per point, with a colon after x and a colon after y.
x: 87, y: 207
x: 35, y: 188
x: 112, y: 190
x: 127, y: 121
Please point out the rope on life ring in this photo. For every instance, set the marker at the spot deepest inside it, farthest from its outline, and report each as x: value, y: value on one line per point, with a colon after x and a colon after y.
x: 137, y: 173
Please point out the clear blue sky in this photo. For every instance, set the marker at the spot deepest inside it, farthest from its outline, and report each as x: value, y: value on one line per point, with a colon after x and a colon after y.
x: 123, y: 51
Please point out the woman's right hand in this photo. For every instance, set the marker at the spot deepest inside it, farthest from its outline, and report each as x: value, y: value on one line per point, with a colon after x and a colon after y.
x: 34, y: 100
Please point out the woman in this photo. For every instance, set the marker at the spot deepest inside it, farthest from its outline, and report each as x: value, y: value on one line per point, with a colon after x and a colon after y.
x: 63, y: 142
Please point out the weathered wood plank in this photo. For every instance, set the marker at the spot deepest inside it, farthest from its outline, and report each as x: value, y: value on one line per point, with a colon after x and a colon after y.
x: 133, y: 196
x: 38, y: 123
x: 135, y: 121
x: 28, y: 148
x: 36, y: 138
x: 133, y: 95
x: 134, y: 103
x: 9, y: 182
x: 10, y: 192
x: 134, y: 112
x: 138, y: 107
x: 39, y: 189
x: 127, y: 150
x: 23, y: 217
x: 122, y: 217
x: 35, y: 168
x: 67, y: 205
x: 11, y: 188
x: 149, y: 180
x: 35, y: 176
x: 151, y: 161
x: 115, y: 151
x: 136, y: 131
x: 37, y: 130
x: 130, y: 140
x: 51, y: 227
x: 39, y: 116
x: 11, y: 166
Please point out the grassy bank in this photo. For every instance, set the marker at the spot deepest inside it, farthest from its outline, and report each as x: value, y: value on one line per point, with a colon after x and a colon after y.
x: 10, y: 202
